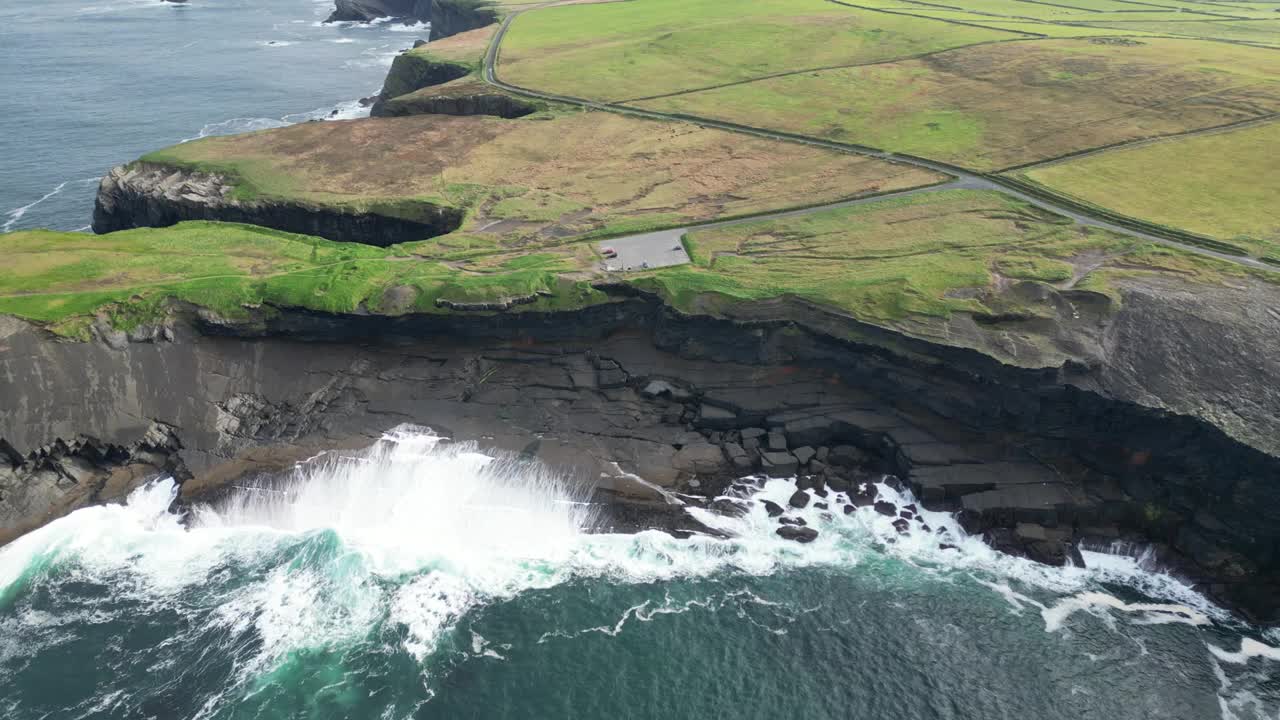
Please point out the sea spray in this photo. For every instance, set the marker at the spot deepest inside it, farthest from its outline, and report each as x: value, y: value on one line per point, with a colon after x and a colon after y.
x: 364, y: 580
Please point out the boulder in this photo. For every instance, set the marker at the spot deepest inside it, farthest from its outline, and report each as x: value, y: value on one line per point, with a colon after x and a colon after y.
x: 699, y: 459
x: 902, y: 526
x: 717, y: 418
x: 798, y: 534
x: 738, y: 457
x: 777, y: 442
x: 773, y: 508
x: 779, y: 465
x: 799, y: 499
x: 887, y: 509
x: 793, y: 521
x: 846, y: 456
x: 804, y: 454
x: 809, y: 431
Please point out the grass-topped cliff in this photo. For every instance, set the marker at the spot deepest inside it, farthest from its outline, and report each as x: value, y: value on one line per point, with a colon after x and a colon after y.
x: 527, y: 200
x: 974, y: 269
x: 537, y: 180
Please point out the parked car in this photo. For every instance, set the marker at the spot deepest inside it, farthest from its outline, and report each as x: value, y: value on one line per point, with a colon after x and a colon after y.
x: 608, y: 252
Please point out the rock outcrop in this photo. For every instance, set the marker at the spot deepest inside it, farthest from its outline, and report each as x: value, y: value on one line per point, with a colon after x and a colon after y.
x: 412, y: 71
x: 450, y: 17
x: 147, y: 195
x: 55, y: 479
x: 366, y: 10
x: 464, y: 101
x: 447, y: 17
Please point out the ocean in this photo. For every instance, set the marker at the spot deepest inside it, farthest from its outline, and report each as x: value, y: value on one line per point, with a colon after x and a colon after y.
x: 424, y: 578
x: 90, y: 84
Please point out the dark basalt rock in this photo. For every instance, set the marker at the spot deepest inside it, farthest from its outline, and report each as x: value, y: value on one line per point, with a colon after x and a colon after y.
x: 798, y: 534
x: 902, y: 526
x: 887, y: 509
x: 799, y: 499
x: 774, y: 509
x: 367, y: 10
x: 60, y: 477
x: 142, y: 195
x: 793, y: 521
x: 729, y: 507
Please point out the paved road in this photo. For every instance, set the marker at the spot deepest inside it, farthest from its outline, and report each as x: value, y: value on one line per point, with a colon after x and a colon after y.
x: 963, y: 178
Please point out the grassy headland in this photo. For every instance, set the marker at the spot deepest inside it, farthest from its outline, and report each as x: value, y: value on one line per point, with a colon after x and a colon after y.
x: 540, y: 179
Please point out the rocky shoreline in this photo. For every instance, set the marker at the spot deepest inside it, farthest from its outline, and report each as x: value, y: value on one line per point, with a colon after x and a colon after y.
x: 1036, y: 461
x: 1156, y: 421
x: 447, y: 17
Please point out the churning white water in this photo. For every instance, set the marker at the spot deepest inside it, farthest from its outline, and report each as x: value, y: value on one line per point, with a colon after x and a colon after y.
x: 419, y: 530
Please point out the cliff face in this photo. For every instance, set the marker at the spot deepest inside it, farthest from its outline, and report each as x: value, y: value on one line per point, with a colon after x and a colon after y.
x: 464, y: 103
x: 366, y: 10
x: 411, y: 71
x: 450, y: 17
x: 142, y: 195
x: 1072, y: 455
x: 447, y: 17
x: 55, y: 479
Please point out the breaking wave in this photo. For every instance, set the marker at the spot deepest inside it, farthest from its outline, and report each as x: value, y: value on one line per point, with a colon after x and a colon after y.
x: 391, y: 548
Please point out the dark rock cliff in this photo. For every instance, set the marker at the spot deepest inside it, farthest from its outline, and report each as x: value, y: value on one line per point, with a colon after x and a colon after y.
x: 366, y: 10
x: 450, y: 17
x: 412, y: 71
x: 142, y: 195
x: 55, y: 479
x: 447, y: 17
x: 1037, y: 459
x: 460, y: 103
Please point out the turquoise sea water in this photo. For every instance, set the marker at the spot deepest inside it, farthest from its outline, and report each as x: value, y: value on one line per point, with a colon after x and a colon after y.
x: 89, y: 84
x: 425, y: 580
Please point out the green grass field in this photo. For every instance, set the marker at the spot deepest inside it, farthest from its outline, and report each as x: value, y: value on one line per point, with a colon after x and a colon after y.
x: 918, y: 257
x: 539, y: 179
x: 999, y: 105
x: 624, y: 50
x: 908, y: 259
x: 1222, y: 185
x: 62, y: 278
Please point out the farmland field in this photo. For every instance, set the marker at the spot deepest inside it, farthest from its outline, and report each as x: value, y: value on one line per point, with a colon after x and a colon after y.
x: 617, y: 51
x: 1217, y: 184
x: 515, y: 178
x: 1006, y: 104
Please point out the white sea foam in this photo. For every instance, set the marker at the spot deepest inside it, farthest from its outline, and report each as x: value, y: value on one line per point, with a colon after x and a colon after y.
x: 15, y: 215
x: 419, y: 531
x: 1249, y: 649
x: 420, y: 27
x: 1152, y: 613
